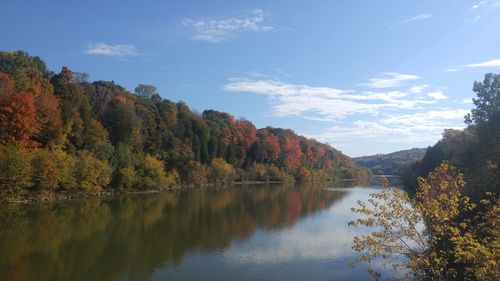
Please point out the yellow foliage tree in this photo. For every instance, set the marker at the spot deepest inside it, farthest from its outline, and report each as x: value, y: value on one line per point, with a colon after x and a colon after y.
x: 439, y: 235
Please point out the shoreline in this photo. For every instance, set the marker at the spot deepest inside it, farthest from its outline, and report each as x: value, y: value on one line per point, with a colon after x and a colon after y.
x: 34, y: 198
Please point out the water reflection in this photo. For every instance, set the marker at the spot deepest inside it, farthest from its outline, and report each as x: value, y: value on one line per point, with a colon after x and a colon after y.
x: 158, y: 236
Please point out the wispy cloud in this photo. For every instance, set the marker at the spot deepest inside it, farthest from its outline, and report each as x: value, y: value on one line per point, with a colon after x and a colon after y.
x: 325, y: 103
x: 218, y: 30
x: 424, y: 126
x: 418, y: 89
x: 389, y: 80
x: 490, y: 63
x: 103, y: 49
x: 437, y: 95
x: 479, y: 4
x: 417, y: 18
x: 412, y: 115
x: 484, y: 64
x: 481, y: 9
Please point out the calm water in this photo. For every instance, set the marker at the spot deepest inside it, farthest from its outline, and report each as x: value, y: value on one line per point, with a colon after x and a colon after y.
x: 238, y: 233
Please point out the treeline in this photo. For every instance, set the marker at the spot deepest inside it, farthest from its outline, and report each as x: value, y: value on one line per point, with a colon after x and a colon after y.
x: 394, y: 163
x: 62, y: 133
x: 475, y: 151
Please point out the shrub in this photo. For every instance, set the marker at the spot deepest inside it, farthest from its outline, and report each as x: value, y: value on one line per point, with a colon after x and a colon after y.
x: 221, y: 172
x: 15, y: 171
x: 92, y: 174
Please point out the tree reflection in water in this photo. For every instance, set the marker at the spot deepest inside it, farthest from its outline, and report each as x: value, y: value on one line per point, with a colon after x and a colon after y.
x: 131, y: 236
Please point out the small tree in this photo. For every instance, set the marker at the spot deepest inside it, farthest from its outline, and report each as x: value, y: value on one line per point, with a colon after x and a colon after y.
x: 146, y: 91
x: 428, y: 238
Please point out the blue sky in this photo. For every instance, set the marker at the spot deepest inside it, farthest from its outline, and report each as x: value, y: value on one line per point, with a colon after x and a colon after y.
x: 365, y: 76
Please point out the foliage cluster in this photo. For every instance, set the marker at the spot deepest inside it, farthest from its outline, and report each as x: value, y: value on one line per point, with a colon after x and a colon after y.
x: 68, y: 133
x: 440, y: 234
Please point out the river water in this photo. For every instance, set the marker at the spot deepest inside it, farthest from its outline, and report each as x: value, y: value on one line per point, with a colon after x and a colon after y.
x: 268, y: 232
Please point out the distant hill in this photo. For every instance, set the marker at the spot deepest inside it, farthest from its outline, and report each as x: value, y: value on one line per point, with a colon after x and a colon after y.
x: 393, y: 163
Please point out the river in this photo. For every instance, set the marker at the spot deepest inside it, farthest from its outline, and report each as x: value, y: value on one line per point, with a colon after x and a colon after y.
x: 268, y: 232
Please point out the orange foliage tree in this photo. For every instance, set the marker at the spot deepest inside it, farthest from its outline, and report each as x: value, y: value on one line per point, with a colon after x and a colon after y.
x: 17, y: 118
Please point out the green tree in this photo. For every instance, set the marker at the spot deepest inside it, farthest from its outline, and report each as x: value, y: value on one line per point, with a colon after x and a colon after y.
x: 92, y: 174
x: 15, y: 171
x: 122, y: 124
x: 487, y: 100
x: 221, y: 172
x: 150, y: 172
x: 127, y: 177
x: 145, y: 90
x: 51, y: 170
x: 74, y: 105
x: 45, y: 171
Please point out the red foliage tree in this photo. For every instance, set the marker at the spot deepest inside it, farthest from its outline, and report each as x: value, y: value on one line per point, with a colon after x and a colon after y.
x: 17, y: 118
x: 49, y: 119
x: 293, y: 153
x: 247, y: 133
x: 272, y: 147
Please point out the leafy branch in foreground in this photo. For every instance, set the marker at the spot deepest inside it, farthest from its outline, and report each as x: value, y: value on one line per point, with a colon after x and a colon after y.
x: 438, y: 235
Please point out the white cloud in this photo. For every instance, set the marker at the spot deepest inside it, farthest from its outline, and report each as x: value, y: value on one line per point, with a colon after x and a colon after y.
x: 257, y: 74
x: 390, y: 80
x: 218, y: 30
x: 426, y: 126
x: 399, y: 116
x: 437, y: 95
x: 490, y: 63
x: 104, y: 49
x: 479, y: 4
x: 418, y: 89
x: 466, y: 101
x: 429, y: 118
x: 417, y: 18
x: 324, y: 103
x: 496, y: 5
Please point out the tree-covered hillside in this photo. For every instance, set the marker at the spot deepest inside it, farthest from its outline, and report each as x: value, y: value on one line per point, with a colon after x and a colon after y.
x: 475, y: 150
x: 63, y: 133
x: 394, y: 163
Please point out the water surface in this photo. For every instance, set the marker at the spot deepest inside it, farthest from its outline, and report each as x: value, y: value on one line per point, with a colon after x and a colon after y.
x: 239, y: 233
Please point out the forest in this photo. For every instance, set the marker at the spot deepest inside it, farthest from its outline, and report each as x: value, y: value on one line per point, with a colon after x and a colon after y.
x: 62, y: 134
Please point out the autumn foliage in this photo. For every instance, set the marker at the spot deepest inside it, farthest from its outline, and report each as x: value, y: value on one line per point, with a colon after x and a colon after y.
x: 112, y: 138
x: 18, y: 122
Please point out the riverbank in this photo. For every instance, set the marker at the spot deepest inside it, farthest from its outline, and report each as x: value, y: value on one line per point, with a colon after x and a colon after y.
x: 34, y: 197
